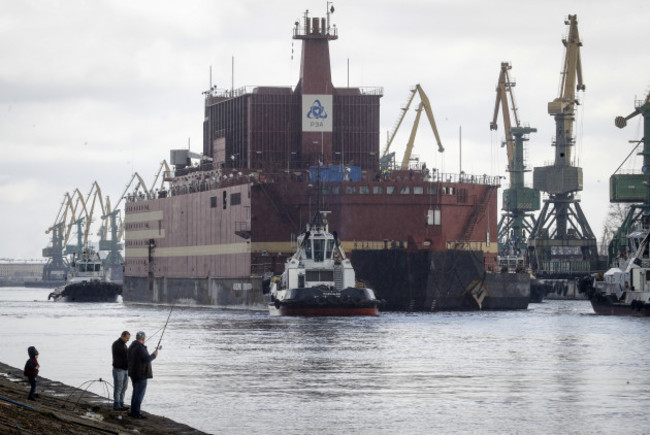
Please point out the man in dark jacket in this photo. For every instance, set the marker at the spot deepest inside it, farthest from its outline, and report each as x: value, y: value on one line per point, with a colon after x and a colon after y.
x: 31, y: 371
x: 139, y: 371
x: 120, y: 370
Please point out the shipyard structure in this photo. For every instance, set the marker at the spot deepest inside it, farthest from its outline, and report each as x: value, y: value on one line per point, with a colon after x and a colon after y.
x: 421, y: 239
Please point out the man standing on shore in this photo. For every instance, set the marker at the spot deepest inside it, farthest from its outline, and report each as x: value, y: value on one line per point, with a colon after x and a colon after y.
x: 120, y: 371
x: 139, y: 371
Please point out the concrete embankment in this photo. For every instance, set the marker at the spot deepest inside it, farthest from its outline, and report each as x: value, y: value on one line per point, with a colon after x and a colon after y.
x: 64, y: 409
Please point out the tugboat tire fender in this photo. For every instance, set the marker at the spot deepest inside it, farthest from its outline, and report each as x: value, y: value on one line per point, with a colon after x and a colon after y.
x: 332, y: 299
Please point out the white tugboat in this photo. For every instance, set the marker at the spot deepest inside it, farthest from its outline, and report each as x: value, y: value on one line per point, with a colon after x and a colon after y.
x: 318, y: 280
x: 87, y: 282
x: 623, y: 291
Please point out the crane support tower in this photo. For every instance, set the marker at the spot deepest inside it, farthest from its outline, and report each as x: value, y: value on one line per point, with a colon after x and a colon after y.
x: 632, y: 188
x: 518, y: 200
x: 562, y: 245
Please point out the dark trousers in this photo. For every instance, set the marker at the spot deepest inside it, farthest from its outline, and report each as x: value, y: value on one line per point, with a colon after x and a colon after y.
x: 32, y: 382
x: 139, y: 388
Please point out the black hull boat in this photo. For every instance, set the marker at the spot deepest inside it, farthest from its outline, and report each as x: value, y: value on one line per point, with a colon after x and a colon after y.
x: 87, y: 282
x: 88, y: 291
x: 537, y: 291
x: 612, y: 300
x: 604, y: 305
x: 317, y: 302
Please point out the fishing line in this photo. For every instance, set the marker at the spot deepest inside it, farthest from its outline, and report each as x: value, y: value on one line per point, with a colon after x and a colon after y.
x: 153, y: 335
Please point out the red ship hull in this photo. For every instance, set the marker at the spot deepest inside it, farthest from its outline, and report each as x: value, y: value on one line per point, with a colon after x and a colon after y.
x: 618, y: 309
x: 213, y: 246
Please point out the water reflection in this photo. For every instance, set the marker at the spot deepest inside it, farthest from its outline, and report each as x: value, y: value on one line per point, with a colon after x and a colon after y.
x: 554, y: 368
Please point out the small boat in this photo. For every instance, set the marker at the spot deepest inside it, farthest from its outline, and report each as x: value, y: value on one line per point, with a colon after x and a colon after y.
x: 87, y: 282
x: 513, y: 261
x: 318, y: 280
x: 622, y: 291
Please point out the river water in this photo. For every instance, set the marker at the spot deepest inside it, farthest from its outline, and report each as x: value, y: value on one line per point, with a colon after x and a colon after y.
x: 554, y: 368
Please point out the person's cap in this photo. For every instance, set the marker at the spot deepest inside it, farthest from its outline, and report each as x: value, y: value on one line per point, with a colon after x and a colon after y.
x: 140, y: 335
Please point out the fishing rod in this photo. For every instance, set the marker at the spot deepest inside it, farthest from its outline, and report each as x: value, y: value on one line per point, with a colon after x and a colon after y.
x: 165, y: 327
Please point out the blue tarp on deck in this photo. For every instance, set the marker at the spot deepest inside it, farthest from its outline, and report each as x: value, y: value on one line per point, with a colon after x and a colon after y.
x: 335, y: 173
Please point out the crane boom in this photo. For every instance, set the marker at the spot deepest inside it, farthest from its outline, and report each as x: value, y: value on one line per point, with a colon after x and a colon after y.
x: 563, y: 107
x: 432, y: 121
x: 405, y: 109
x: 167, y: 169
x: 621, y: 121
x: 504, y: 91
x: 411, y: 142
x: 424, y: 105
x: 94, y: 194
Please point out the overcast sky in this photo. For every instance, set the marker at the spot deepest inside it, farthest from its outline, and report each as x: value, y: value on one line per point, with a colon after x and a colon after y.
x: 96, y: 90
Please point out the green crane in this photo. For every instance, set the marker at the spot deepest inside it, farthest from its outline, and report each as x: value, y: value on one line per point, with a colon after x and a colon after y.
x: 632, y: 188
x: 518, y: 200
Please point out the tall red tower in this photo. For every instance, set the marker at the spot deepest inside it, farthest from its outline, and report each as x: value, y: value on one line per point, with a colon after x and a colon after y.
x: 315, y: 87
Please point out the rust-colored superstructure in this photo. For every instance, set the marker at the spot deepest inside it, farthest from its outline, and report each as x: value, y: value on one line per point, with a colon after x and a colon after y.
x: 277, y: 128
x: 228, y: 223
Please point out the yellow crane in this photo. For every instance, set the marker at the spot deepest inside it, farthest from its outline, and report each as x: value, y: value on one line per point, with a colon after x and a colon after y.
x: 70, y: 212
x: 562, y: 226
x: 563, y: 107
x: 424, y: 104
x: 504, y: 95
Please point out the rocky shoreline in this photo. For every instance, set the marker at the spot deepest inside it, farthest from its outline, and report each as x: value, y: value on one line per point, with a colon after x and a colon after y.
x: 61, y: 409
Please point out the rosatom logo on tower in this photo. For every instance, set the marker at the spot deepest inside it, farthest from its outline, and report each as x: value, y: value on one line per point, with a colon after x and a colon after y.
x: 316, y: 111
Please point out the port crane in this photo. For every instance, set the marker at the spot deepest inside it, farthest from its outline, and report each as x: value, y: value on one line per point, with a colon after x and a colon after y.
x: 518, y: 200
x: 88, y: 207
x: 505, y: 94
x: 69, y: 214
x: 562, y: 244
x: 632, y: 188
x: 78, y: 211
x: 112, y: 223
x: 423, y: 105
x: 57, y: 265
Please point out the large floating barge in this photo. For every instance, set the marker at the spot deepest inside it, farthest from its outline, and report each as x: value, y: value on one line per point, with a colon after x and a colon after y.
x: 421, y: 239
